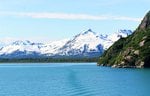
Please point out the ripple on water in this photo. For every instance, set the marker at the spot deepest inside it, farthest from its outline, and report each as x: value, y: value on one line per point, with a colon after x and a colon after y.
x: 76, y: 80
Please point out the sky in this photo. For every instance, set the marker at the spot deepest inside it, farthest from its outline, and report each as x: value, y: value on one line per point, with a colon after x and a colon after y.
x: 46, y: 20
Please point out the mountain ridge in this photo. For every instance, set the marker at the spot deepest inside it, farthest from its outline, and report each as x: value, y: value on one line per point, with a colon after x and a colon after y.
x: 85, y: 44
x: 133, y: 51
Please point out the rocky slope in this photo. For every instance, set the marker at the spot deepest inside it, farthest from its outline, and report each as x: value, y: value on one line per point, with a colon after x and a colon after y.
x: 133, y: 51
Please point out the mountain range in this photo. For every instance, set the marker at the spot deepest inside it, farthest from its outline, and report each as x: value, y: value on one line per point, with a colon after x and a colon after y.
x: 86, y: 44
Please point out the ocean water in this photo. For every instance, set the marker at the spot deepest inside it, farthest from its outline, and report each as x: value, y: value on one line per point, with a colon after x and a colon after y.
x: 72, y: 79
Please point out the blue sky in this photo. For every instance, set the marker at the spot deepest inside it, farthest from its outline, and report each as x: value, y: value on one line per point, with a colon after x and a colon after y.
x: 40, y: 20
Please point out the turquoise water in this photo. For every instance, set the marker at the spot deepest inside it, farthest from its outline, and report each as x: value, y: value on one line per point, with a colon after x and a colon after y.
x: 72, y: 79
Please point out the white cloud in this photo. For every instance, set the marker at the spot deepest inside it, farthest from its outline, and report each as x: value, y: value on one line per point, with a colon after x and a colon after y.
x: 67, y: 16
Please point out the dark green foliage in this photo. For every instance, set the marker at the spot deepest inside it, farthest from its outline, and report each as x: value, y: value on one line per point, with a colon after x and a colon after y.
x: 131, y: 51
x: 47, y: 60
x: 109, y: 55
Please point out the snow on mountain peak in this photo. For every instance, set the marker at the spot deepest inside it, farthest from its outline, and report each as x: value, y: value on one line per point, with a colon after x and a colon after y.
x: 128, y: 32
x: 89, y: 31
x: 20, y: 42
x: 21, y: 46
x: 53, y: 47
x: 25, y: 42
x: 87, y: 42
x: 117, y: 35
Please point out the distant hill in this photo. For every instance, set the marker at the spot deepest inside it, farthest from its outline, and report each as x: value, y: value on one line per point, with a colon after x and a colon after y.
x: 133, y: 51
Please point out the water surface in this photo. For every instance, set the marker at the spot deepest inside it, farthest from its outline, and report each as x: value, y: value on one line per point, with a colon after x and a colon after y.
x: 72, y: 79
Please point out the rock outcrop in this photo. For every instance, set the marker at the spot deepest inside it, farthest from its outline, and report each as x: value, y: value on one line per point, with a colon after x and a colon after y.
x: 133, y: 51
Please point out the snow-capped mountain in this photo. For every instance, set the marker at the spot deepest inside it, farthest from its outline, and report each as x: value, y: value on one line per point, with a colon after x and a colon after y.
x: 83, y: 44
x: 51, y: 48
x: 117, y: 35
x: 21, y: 49
x: 88, y: 43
